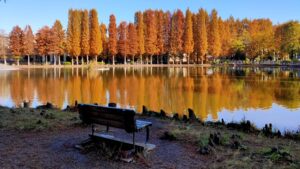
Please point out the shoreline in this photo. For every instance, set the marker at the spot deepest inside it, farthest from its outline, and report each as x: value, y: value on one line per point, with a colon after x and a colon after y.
x: 102, y: 66
x: 16, y: 67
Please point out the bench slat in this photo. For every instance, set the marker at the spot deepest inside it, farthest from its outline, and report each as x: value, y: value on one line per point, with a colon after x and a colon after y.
x: 140, y: 124
x: 114, y: 117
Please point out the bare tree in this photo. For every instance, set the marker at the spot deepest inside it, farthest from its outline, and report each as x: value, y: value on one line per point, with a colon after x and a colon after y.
x: 3, y: 45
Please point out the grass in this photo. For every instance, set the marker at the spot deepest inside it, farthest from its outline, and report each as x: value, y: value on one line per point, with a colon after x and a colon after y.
x: 35, y: 119
x: 239, y: 149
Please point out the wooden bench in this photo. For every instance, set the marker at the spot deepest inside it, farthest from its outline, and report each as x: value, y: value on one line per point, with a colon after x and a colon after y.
x: 113, y: 117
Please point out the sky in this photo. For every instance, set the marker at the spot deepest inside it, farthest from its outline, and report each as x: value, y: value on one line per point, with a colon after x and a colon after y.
x: 39, y: 13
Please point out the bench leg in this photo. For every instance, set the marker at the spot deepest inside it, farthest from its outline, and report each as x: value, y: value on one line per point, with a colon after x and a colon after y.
x: 93, y: 129
x: 133, y: 140
x: 147, y: 134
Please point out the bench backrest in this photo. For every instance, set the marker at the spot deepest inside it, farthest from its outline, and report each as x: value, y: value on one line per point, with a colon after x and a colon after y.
x: 114, y: 117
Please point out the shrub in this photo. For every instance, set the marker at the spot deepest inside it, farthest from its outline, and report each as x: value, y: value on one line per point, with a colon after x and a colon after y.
x: 67, y: 63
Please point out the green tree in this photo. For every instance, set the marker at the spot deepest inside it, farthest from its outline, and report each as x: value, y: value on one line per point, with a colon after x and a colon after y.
x: 290, y: 43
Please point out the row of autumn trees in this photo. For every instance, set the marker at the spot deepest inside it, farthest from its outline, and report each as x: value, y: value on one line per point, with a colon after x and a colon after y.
x: 156, y: 34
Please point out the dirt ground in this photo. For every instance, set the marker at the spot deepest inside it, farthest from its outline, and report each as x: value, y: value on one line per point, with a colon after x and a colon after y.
x: 55, y: 149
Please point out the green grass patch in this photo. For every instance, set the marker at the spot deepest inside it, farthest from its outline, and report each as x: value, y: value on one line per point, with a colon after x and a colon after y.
x: 35, y: 119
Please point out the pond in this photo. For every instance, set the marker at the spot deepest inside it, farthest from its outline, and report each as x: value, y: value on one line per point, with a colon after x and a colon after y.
x: 261, y: 95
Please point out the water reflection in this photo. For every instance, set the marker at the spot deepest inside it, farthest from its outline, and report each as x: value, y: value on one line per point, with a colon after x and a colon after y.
x: 208, y: 91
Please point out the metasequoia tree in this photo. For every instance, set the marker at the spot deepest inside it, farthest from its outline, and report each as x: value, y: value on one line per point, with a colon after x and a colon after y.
x: 28, y: 43
x: 69, y: 38
x: 188, y: 44
x: 57, y: 41
x: 112, y: 39
x: 167, y: 30
x: 103, y: 31
x: 160, y: 34
x: 195, y: 37
x: 177, y: 30
x: 74, y: 33
x: 150, y: 34
x: 225, y: 37
x: 214, y: 41
x: 122, y: 40
x: 85, y: 36
x: 132, y: 40
x: 43, y: 43
x: 15, y: 42
x: 201, y: 35
x: 139, y: 22
x: 95, y: 35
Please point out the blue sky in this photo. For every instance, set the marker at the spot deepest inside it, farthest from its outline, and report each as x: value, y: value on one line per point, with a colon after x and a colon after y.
x: 38, y: 13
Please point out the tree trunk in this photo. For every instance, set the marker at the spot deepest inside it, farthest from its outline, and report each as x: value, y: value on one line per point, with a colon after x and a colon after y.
x: 18, y: 62
x: 87, y: 59
x: 82, y: 61
x: 77, y: 60
x: 132, y: 58
x: 201, y: 61
x: 125, y: 60
x: 96, y: 59
x: 72, y: 61
x: 46, y: 59
x: 113, y: 59
x: 59, y: 60
x: 151, y: 59
x: 28, y: 60
x: 54, y: 58
x: 188, y: 59
x: 5, y: 60
x: 141, y: 59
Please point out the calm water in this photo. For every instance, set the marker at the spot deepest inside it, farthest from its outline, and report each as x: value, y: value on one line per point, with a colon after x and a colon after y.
x: 260, y: 95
